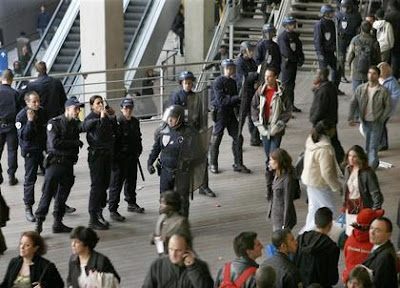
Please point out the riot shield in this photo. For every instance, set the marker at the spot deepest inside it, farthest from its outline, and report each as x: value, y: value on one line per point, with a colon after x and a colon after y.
x: 192, y: 162
x: 197, y: 110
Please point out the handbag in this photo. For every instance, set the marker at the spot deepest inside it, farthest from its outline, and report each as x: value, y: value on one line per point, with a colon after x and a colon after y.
x: 98, y: 279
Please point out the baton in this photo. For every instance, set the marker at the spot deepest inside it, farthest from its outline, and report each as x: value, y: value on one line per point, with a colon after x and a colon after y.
x: 140, y: 169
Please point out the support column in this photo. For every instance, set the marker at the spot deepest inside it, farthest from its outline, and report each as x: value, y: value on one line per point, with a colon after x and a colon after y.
x: 102, y: 45
x: 199, y: 30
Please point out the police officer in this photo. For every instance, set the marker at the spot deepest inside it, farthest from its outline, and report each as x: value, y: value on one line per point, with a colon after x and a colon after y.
x: 181, y: 97
x: 246, y: 67
x: 168, y: 140
x: 99, y: 125
x: 31, y: 127
x: 63, y: 148
x: 349, y: 21
x: 225, y: 101
x: 128, y: 147
x: 292, y: 55
x: 325, y: 43
x: 267, y: 51
x: 9, y: 107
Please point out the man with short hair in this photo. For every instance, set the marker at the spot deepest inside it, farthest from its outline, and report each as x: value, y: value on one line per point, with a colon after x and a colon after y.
x: 372, y: 102
x: 286, y: 272
x: 180, y: 268
x: 265, y: 277
x: 247, y: 249
x: 382, y: 259
x: 384, y: 35
x: 317, y: 255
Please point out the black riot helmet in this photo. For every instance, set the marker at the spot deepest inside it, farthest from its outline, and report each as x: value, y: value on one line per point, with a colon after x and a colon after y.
x: 186, y: 75
x: 175, y: 111
x: 269, y: 31
x: 246, y: 46
x: 346, y: 3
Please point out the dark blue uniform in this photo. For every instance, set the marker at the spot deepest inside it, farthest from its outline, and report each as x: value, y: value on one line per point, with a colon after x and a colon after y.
x: 100, y: 137
x: 274, y: 55
x: 62, y: 148
x: 292, y: 55
x: 180, y: 97
x: 51, y: 92
x: 32, y: 140
x: 128, y: 147
x: 325, y: 46
x: 9, y: 107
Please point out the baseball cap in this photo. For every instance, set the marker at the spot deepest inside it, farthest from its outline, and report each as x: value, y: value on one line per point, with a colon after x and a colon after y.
x: 367, y: 215
x: 73, y: 102
x: 127, y: 102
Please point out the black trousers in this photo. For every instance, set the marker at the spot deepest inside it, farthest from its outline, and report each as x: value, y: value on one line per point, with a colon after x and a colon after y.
x: 32, y: 162
x: 9, y: 136
x: 100, y: 172
x: 288, y: 78
x: 58, y: 181
x: 123, y: 174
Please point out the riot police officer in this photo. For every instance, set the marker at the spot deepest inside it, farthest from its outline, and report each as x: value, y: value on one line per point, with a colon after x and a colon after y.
x: 267, y: 51
x: 325, y: 43
x: 128, y: 147
x: 225, y: 101
x: 182, y: 97
x: 292, y: 55
x: 9, y: 107
x: 63, y: 148
x: 100, y: 126
x: 168, y: 140
x: 246, y: 67
x: 348, y: 21
x: 31, y: 127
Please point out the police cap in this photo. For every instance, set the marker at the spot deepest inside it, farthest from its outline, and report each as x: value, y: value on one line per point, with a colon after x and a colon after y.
x: 228, y: 63
x: 127, y: 102
x: 73, y: 102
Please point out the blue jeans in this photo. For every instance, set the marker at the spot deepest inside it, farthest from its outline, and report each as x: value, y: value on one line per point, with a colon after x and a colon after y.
x: 372, y: 132
x: 270, y: 145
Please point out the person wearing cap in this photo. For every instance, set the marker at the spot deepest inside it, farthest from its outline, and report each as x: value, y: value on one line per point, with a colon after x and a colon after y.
x: 357, y: 247
x: 225, y: 100
x: 181, y: 97
x: 348, y: 21
x: 63, y: 145
x: 267, y: 51
x: 246, y: 67
x: 292, y: 57
x: 325, y: 43
x: 127, y: 149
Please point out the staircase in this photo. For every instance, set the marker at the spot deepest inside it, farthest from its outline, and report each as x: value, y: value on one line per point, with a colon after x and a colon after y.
x: 132, y: 16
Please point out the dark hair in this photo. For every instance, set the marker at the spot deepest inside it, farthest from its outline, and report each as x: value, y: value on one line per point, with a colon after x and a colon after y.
x: 366, y: 27
x: 265, y: 277
x: 86, y: 235
x: 322, y: 74
x: 380, y: 14
x: 172, y: 199
x: 37, y: 240
x: 41, y: 67
x: 284, y: 161
x: 279, y: 237
x: 362, y: 275
x: 361, y: 155
x: 323, y: 217
x: 273, y: 70
x: 93, y: 98
x: 7, y: 75
x: 389, y: 225
x: 244, y: 241
x: 321, y: 128
x: 187, y: 238
x: 29, y: 93
x: 372, y: 15
x: 373, y: 67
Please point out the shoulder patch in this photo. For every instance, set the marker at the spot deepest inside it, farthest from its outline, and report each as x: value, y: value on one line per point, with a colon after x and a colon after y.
x: 18, y: 125
x: 49, y: 127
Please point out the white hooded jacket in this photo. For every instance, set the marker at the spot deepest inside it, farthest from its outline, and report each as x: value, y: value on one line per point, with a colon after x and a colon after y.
x: 384, y: 34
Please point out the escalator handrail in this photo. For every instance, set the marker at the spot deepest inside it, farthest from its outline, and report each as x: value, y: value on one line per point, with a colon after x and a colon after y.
x: 42, y: 40
x: 72, y: 65
x: 135, y: 36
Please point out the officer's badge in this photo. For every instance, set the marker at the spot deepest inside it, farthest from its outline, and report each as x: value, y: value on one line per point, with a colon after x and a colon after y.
x: 293, y: 46
x: 344, y: 25
x: 180, y: 140
x: 327, y: 36
x: 49, y: 127
x: 18, y: 125
x: 165, y: 140
x: 269, y: 59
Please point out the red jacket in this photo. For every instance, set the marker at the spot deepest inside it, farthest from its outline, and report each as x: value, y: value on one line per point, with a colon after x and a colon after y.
x: 356, y: 250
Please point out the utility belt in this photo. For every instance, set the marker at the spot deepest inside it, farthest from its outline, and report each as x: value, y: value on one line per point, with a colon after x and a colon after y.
x: 159, y: 166
x: 99, y: 152
x: 4, y: 123
x: 31, y: 154
x: 51, y: 159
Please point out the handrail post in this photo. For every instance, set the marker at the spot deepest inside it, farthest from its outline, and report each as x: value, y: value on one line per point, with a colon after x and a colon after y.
x: 173, y: 67
x: 162, y: 74
x: 231, y: 31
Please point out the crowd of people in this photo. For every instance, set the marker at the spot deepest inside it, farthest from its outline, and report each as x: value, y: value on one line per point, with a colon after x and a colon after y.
x: 258, y: 85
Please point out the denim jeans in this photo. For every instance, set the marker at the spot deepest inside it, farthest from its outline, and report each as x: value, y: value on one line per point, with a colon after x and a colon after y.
x: 270, y: 145
x: 372, y: 133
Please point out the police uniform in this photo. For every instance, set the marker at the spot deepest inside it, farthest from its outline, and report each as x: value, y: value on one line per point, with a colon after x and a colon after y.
x: 100, y: 137
x: 128, y: 147
x: 292, y: 54
x: 9, y: 107
x: 62, y: 148
x: 32, y: 140
x: 274, y: 55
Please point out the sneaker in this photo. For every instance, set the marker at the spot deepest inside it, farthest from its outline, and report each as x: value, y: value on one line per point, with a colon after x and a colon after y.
x: 117, y: 217
x: 135, y: 208
x: 206, y: 191
x: 241, y: 169
x: 69, y: 210
x: 255, y: 143
x: 214, y: 169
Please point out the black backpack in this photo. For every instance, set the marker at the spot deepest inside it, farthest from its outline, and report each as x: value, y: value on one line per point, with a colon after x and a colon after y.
x: 363, y: 55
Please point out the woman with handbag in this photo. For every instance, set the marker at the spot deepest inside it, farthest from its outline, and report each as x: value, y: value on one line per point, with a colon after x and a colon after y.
x: 30, y: 269
x: 361, y: 186
x: 87, y: 267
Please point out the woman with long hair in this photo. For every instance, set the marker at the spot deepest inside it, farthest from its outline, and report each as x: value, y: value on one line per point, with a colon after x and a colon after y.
x: 359, y: 278
x: 283, y: 213
x: 361, y: 186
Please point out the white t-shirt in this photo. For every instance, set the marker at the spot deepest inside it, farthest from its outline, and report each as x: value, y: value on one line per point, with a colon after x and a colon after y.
x: 83, y: 278
x: 369, y: 115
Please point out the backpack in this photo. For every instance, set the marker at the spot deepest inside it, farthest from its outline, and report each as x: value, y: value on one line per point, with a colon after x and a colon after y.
x: 363, y: 55
x: 227, y: 283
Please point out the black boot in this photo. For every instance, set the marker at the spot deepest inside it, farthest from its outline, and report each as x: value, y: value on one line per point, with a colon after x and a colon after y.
x: 39, y: 225
x: 206, y: 191
x: 100, y: 217
x: 95, y: 224
x: 214, y: 152
x: 69, y: 210
x: 59, y: 227
x: 135, y: 208
x: 116, y: 216
x: 28, y: 213
x: 12, y: 180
